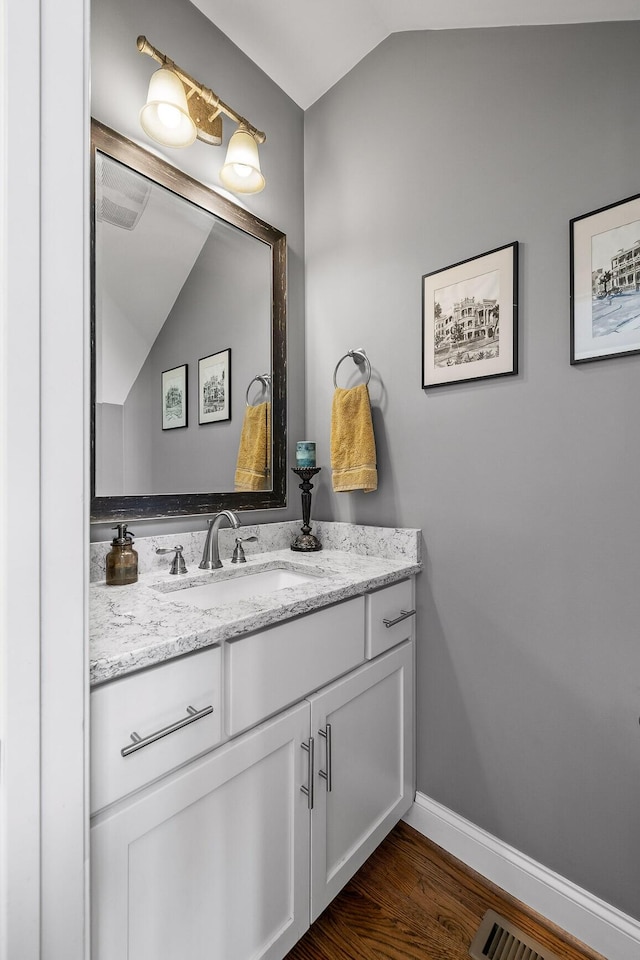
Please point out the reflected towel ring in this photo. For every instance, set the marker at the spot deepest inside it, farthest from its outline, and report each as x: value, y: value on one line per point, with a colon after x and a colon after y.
x: 360, y: 358
x: 264, y: 379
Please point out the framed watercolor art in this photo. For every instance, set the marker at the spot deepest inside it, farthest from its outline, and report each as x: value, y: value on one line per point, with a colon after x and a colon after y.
x: 470, y: 319
x: 605, y: 282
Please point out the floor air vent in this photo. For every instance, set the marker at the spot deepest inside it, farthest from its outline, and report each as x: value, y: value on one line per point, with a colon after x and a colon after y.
x: 497, y: 939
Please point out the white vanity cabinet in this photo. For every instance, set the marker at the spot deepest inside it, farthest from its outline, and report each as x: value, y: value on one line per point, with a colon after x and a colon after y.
x: 364, y: 729
x: 232, y: 855
x: 214, y: 861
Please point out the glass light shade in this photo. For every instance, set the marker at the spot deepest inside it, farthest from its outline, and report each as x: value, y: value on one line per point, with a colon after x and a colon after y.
x: 165, y: 115
x: 241, y: 170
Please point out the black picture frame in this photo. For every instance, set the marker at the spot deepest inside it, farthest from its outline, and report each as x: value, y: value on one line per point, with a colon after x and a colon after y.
x: 604, y: 294
x: 214, y: 387
x: 175, y: 398
x: 470, y: 319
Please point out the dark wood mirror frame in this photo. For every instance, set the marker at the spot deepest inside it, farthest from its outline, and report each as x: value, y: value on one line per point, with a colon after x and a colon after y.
x: 190, y: 504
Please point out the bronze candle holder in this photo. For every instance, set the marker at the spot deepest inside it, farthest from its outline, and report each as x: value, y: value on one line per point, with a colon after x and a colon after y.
x: 305, y: 542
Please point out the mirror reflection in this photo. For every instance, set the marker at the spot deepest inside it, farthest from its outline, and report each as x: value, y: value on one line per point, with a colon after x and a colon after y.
x: 185, y: 315
x: 174, y: 286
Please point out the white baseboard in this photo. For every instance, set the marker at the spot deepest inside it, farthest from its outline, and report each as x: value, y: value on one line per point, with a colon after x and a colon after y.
x: 596, y: 923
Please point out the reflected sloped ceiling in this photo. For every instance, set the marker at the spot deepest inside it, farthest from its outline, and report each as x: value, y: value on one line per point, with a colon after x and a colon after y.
x: 141, y: 272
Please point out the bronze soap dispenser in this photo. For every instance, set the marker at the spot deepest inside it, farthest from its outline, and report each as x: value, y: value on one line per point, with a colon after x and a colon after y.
x: 122, y: 559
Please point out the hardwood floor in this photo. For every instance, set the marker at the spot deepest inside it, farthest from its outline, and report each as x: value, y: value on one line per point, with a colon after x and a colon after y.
x: 412, y: 901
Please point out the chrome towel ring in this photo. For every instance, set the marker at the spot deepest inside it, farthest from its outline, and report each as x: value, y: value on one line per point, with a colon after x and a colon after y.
x: 264, y: 379
x: 360, y: 358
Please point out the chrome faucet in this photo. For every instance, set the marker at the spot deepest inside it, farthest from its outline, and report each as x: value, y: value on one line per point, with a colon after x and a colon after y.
x: 211, y: 554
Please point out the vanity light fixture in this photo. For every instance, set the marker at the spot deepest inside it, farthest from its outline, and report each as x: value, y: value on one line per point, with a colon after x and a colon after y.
x: 241, y: 172
x: 179, y: 109
x: 165, y: 115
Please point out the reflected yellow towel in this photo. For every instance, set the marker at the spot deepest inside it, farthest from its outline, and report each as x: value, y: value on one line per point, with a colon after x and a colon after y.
x: 353, y: 447
x: 253, y: 468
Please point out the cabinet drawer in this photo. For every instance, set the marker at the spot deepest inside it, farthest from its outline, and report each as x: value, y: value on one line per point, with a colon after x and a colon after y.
x: 266, y: 671
x: 146, y: 703
x: 388, y: 604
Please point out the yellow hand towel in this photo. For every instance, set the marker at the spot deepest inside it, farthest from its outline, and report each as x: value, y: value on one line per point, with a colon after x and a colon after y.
x: 353, y: 447
x: 253, y: 468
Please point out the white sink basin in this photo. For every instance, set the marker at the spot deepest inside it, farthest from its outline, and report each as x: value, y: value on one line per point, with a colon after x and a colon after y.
x: 206, y: 595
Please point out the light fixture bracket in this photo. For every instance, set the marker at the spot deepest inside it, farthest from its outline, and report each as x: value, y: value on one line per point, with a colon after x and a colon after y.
x: 208, y: 120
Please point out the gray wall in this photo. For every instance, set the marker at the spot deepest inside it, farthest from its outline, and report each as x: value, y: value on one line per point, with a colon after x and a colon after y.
x: 109, y: 438
x: 119, y: 82
x: 437, y: 147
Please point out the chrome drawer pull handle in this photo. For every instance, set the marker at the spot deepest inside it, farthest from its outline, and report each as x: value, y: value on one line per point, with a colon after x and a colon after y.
x: 308, y: 790
x: 326, y: 774
x: 140, y: 742
x: 403, y: 616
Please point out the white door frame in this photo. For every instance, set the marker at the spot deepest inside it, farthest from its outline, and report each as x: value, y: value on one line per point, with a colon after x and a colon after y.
x: 43, y: 479
x: 19, y: 466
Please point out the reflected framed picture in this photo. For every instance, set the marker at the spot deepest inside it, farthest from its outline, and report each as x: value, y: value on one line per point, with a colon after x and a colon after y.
x: 174, y: 398
x: 605, y: 282
x: 214, y: 387
x: 470, y: 319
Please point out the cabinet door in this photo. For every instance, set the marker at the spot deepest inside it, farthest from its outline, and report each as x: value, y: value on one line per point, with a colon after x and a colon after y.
x: 370, y: 715
x: 213, y: 862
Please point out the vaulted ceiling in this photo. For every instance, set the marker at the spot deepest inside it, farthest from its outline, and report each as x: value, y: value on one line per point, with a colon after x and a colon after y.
x: 308, y: 45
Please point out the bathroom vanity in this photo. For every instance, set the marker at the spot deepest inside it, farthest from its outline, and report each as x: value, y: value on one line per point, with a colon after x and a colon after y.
x: 251, y: 727
x: 248, y: 755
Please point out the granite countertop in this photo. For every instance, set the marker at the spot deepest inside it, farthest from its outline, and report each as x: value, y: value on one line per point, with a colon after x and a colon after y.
x: 136, y: 626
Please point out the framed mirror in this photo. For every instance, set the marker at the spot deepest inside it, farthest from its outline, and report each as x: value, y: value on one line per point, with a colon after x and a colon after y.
x: 188, y: 343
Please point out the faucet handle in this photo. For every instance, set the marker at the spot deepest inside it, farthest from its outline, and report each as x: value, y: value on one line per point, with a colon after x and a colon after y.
x: 177, y: 564
x: 238, y: 553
